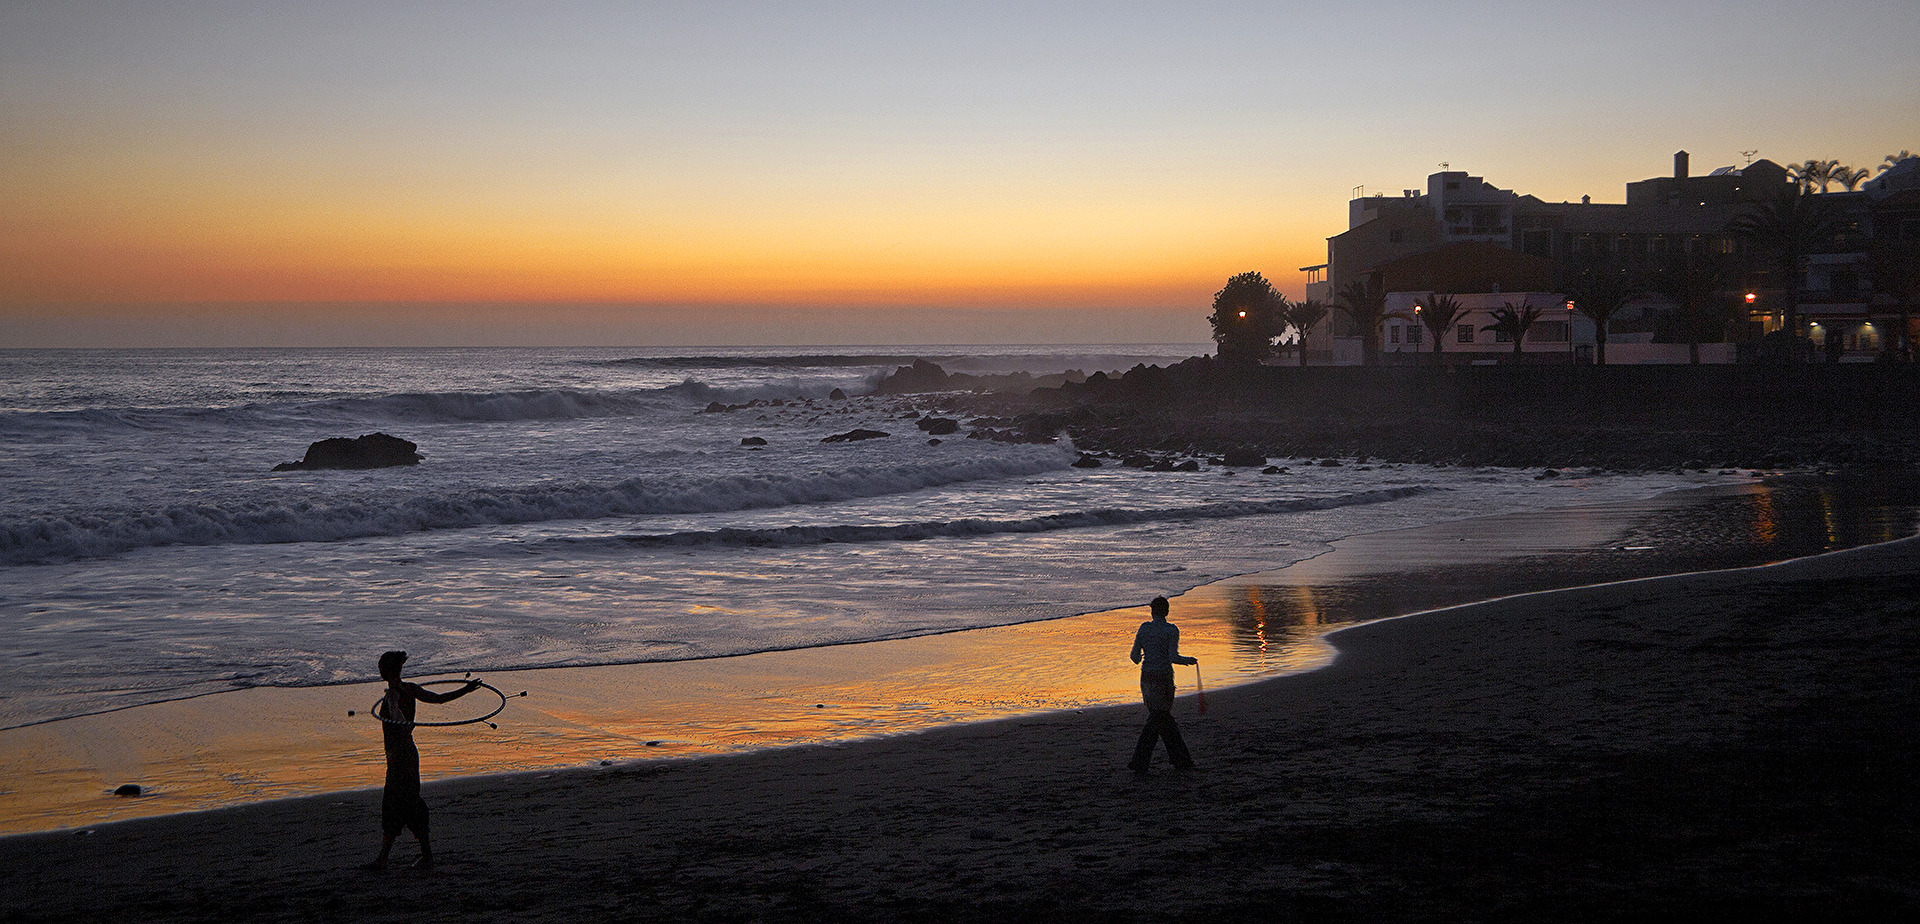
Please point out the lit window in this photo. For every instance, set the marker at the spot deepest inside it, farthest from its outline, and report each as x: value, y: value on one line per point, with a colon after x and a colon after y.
x: 1465, y: 333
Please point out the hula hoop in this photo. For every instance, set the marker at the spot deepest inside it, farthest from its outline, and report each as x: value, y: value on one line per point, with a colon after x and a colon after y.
x: 376, y: 710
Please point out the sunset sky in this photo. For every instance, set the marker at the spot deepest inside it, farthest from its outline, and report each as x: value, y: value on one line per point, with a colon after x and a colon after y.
x: 349, y: 172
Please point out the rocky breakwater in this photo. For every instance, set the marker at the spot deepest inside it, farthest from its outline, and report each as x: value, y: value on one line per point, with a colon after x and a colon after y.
x: 1631, y: 418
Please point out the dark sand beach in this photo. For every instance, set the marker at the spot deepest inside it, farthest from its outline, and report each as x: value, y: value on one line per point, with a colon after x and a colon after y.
x: 1732, y: 743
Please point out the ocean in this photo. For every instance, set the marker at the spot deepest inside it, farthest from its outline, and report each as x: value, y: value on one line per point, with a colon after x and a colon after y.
x: 585, y: 506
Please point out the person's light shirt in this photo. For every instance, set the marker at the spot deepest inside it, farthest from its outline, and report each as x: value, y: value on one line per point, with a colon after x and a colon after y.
x: 1157, y: 647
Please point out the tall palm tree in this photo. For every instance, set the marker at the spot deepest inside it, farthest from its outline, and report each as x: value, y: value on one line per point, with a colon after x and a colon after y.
x: 1513, y: 321
x: 1437, y: 313
x: 1599, y: 292
x: 1787, y: 230
x: 1893, y: 159
x: 1301, y: 316
x: 1365, y: 302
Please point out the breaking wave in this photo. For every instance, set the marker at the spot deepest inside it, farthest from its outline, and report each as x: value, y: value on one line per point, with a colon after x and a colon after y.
x: 979, y: 526
x: 33, y: 539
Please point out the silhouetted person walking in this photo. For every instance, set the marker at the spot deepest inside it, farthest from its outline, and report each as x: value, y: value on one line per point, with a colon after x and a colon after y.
x: 401, y: 806
x: 1156, y: 648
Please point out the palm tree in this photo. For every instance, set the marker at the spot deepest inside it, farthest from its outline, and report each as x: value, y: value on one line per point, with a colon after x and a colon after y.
x: 1849, y: 178
x: 1893, y: 159
x: 1813, y: 173
x: 1599, y: 292
x: 1698, y: 285
x: 1513, y: 321
x: 1365, y: 303
x: 1301, y: 316
x: 1437, y: 313
x: 1787, y: 230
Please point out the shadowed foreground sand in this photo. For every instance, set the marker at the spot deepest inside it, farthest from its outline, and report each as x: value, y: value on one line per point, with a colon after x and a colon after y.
x: 1729, y: 744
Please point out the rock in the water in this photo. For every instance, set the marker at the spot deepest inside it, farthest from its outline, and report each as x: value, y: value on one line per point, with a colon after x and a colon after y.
x: 854, y: 435
x: 938, y: 426
x: 373, y: 450
x: 753, y: 441
x: 129, y: 790
x: 1244, y: 458
x: 836, y: 395
x: 1191, y: 465
x: 1086, y: 461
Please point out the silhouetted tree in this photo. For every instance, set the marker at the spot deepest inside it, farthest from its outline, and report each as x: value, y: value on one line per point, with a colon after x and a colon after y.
x: 1302, y: 316
x: 1786, y: 230
x: 1891, y: 160
x: 1598, y: 291
x: 1365, y: 303
x: 1813, y: 173
x: 1513, y: 321
x: 1699, y: 285
x: 1247, y: 315
x: 1849, y: 178
x: 1437, y: 313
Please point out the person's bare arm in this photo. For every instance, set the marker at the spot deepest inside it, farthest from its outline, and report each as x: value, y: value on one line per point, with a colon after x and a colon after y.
x: 428, y: 696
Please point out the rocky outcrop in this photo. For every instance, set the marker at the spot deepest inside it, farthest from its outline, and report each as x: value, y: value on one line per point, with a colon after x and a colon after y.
x: 373, y: 450
x: 854, y: 435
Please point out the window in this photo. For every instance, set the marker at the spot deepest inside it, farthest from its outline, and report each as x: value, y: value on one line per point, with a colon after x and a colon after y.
x: 1393, y: 334
x: 1500, y: 335
x: 1413, y: 334
x: 1465, y: 333
x: 1548, y: 332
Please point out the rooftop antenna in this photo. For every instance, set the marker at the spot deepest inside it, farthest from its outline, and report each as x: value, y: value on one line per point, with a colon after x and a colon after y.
x: 1749, y: 155
x: 1444, y: 165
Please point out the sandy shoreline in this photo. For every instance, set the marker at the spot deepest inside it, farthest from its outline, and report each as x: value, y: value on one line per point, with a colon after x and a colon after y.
x: 254, y: 745
x: 1729, y: 743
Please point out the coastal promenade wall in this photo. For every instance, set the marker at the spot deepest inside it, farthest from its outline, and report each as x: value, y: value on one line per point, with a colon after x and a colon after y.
x: 1769, y: 416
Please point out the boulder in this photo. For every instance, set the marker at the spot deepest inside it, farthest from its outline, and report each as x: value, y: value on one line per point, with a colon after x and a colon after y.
x: 1086, y: 461
x: 753, y: 441
x: 938, y: 426
x: 853, y: 436
x: 373, y: 450
x: 129, y: 790
x: 836, y: 395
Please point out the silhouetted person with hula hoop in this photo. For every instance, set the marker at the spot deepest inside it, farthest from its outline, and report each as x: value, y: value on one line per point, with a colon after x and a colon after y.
x: 401, y: 806
x: 1156, y: 648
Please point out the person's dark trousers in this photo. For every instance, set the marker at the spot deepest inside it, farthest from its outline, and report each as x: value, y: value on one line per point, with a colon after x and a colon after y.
x: 1158, y: 692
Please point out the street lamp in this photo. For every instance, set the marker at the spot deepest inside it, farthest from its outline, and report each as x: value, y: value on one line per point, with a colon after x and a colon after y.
x: 1570, y: 360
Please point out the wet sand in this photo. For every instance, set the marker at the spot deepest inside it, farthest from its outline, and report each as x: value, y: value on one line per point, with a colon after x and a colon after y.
x: 255, y: 745
x: 1736, y: 743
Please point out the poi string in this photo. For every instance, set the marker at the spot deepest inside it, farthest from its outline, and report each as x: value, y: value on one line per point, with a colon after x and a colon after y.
x: 377, y: 711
